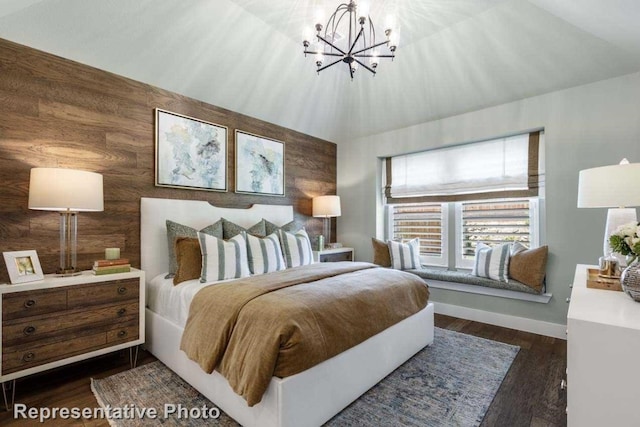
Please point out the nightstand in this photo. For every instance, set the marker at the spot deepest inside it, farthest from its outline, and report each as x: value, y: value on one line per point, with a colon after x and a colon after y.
x: 333, y: 255
x: 61, y: 320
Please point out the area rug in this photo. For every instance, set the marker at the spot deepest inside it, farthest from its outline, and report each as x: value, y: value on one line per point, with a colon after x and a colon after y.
x: 450, y: 383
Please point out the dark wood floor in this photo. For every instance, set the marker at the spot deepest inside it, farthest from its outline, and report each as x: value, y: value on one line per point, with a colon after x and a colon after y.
x: 529, y: 396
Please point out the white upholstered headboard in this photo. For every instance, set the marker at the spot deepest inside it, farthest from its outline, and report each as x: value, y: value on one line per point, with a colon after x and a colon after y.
x: 154, y: 253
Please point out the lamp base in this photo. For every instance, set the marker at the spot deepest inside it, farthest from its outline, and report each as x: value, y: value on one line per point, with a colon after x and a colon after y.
x: 68, y: 272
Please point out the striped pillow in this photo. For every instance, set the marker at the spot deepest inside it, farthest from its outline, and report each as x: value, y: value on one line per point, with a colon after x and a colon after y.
x: 405, y: 256
x: 296, y: 248
x: 223, y: 259
x: 492, y: 263
x: 265, y: 254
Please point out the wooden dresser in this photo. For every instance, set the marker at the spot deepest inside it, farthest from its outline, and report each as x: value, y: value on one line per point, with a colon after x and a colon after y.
x: 61, y: 320
x: 603, y: 349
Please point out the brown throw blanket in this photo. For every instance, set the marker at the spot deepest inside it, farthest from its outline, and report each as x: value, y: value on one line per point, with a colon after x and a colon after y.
x: 282, y: 323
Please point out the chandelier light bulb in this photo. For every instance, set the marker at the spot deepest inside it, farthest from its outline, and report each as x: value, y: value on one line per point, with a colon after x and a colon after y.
x: 389, y: 22
x: 319, y: 16
x: 394, y: 38
x: 363, y: 11
x: 374, y: 60
x: 319, y: 59
x: 307, y: 35
x: 354, y: 66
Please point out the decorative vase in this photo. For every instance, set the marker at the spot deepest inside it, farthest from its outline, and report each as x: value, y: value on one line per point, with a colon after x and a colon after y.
x: 630, y: 280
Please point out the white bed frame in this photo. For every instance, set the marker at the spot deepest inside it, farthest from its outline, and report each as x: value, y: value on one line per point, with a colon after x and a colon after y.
x: 309, y: 398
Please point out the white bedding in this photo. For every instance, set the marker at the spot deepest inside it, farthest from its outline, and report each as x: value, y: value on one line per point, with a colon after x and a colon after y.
x: 172, y: 302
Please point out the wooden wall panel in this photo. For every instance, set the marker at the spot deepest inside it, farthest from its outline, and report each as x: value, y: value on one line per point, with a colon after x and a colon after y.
x: 59, y: 113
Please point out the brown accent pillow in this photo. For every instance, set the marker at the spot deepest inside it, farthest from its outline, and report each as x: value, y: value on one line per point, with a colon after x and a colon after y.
x: 381, y: 254
x: 189, y: 259
x: 529, y: 267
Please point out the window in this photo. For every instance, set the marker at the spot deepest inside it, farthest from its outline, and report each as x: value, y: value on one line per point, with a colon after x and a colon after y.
x: 493, y: 223
x: 492, y: 189
x: 427, y: 221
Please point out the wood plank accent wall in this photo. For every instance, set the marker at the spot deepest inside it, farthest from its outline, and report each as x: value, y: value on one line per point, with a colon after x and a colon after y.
x: 58, y: 113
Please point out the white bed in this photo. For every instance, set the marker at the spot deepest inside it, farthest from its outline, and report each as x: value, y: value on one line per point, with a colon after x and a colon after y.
x: 307, y: 399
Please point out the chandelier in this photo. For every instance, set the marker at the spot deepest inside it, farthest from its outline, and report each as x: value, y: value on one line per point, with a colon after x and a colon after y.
x: 357, y: 47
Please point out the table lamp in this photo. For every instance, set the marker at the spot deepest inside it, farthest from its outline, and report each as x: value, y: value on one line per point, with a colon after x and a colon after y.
x: 616, y: 187
x: 326, y: 207
x: 67, y: 191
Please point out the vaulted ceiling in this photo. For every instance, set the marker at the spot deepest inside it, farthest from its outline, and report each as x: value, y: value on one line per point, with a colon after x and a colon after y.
x: 454, y: 56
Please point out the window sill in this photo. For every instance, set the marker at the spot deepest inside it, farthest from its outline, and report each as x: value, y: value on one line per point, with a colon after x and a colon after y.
x: 483, y: 290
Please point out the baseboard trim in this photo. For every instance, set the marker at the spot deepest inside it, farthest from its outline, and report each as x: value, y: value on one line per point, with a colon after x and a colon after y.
x: 539, y: 327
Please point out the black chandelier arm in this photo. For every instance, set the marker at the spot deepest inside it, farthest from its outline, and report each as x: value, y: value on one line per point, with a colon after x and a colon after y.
x: 365, y: 66
x: 323, y: 53
x: 331, y: 44
x: 370, y: 47
x: 372, y: 56
x: 350, y: 70
x: 328, y: 65
x: 356, y: 41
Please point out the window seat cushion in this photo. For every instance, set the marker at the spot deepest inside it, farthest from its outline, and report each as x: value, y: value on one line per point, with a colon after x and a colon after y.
x: 469, y: 279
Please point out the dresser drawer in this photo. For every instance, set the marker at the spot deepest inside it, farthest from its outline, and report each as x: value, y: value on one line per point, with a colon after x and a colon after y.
x: 122, y: 334
x: 28, y: 357
x: 25, y: 304
x: 39, y: 327
x: 102, y: 293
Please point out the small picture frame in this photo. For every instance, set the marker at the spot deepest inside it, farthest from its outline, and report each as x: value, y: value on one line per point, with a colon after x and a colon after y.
x: 23, y: 266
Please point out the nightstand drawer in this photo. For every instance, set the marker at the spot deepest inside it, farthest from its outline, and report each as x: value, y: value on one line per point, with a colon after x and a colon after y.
x: 102, y: 293
x: 25, y: 304
x: 341, y: 256
x: 39, y: 327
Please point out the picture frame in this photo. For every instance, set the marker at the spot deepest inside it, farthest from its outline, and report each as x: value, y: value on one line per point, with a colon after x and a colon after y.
x: 23, y: 266
x: 190, y: 153
x: 260, y: 165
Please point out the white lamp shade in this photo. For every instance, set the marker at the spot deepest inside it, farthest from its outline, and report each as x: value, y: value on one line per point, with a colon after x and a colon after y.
x: 614, y: 186
x: 326, y: 206
x: 55, y: 189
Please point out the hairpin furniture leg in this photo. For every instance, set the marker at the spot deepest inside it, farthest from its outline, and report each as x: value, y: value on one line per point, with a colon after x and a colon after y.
x: 133, y: 356
x: 9, y: 386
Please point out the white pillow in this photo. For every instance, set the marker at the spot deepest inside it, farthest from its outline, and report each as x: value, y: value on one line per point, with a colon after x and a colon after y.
x: 264, y: 254
x: 405, y: 256
x: 223, y: 259
x: 296, y: 248
x: 492, y: 263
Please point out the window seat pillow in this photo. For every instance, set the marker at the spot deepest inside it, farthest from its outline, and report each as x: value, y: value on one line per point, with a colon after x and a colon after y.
x: 469, y: 279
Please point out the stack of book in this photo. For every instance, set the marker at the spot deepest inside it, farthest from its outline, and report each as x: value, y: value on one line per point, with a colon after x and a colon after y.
x: 111, y: 266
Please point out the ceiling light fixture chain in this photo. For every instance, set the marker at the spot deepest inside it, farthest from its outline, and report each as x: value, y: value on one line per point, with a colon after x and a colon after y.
x: 356, y: 48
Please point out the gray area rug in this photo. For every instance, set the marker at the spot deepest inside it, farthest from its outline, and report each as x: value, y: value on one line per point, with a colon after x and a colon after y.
x: 450, y: 383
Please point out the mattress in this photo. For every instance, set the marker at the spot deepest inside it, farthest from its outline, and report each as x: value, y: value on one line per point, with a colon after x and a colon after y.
x: 173, y: 302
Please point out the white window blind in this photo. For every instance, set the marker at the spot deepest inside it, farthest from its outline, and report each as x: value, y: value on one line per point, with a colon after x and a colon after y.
x: 427, y: 221
x: 497, y: 165
x: 494, y: 223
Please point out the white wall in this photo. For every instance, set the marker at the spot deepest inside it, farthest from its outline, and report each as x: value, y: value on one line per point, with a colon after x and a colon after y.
x: 586, y: 126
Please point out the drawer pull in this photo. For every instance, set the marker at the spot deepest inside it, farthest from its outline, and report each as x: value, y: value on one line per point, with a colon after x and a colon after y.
x: 28, y: 357
x: 122, y: 334
x: 122, y: 290
x: 29, y: 303
x: 29, y: 330
x: 122, y: 311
